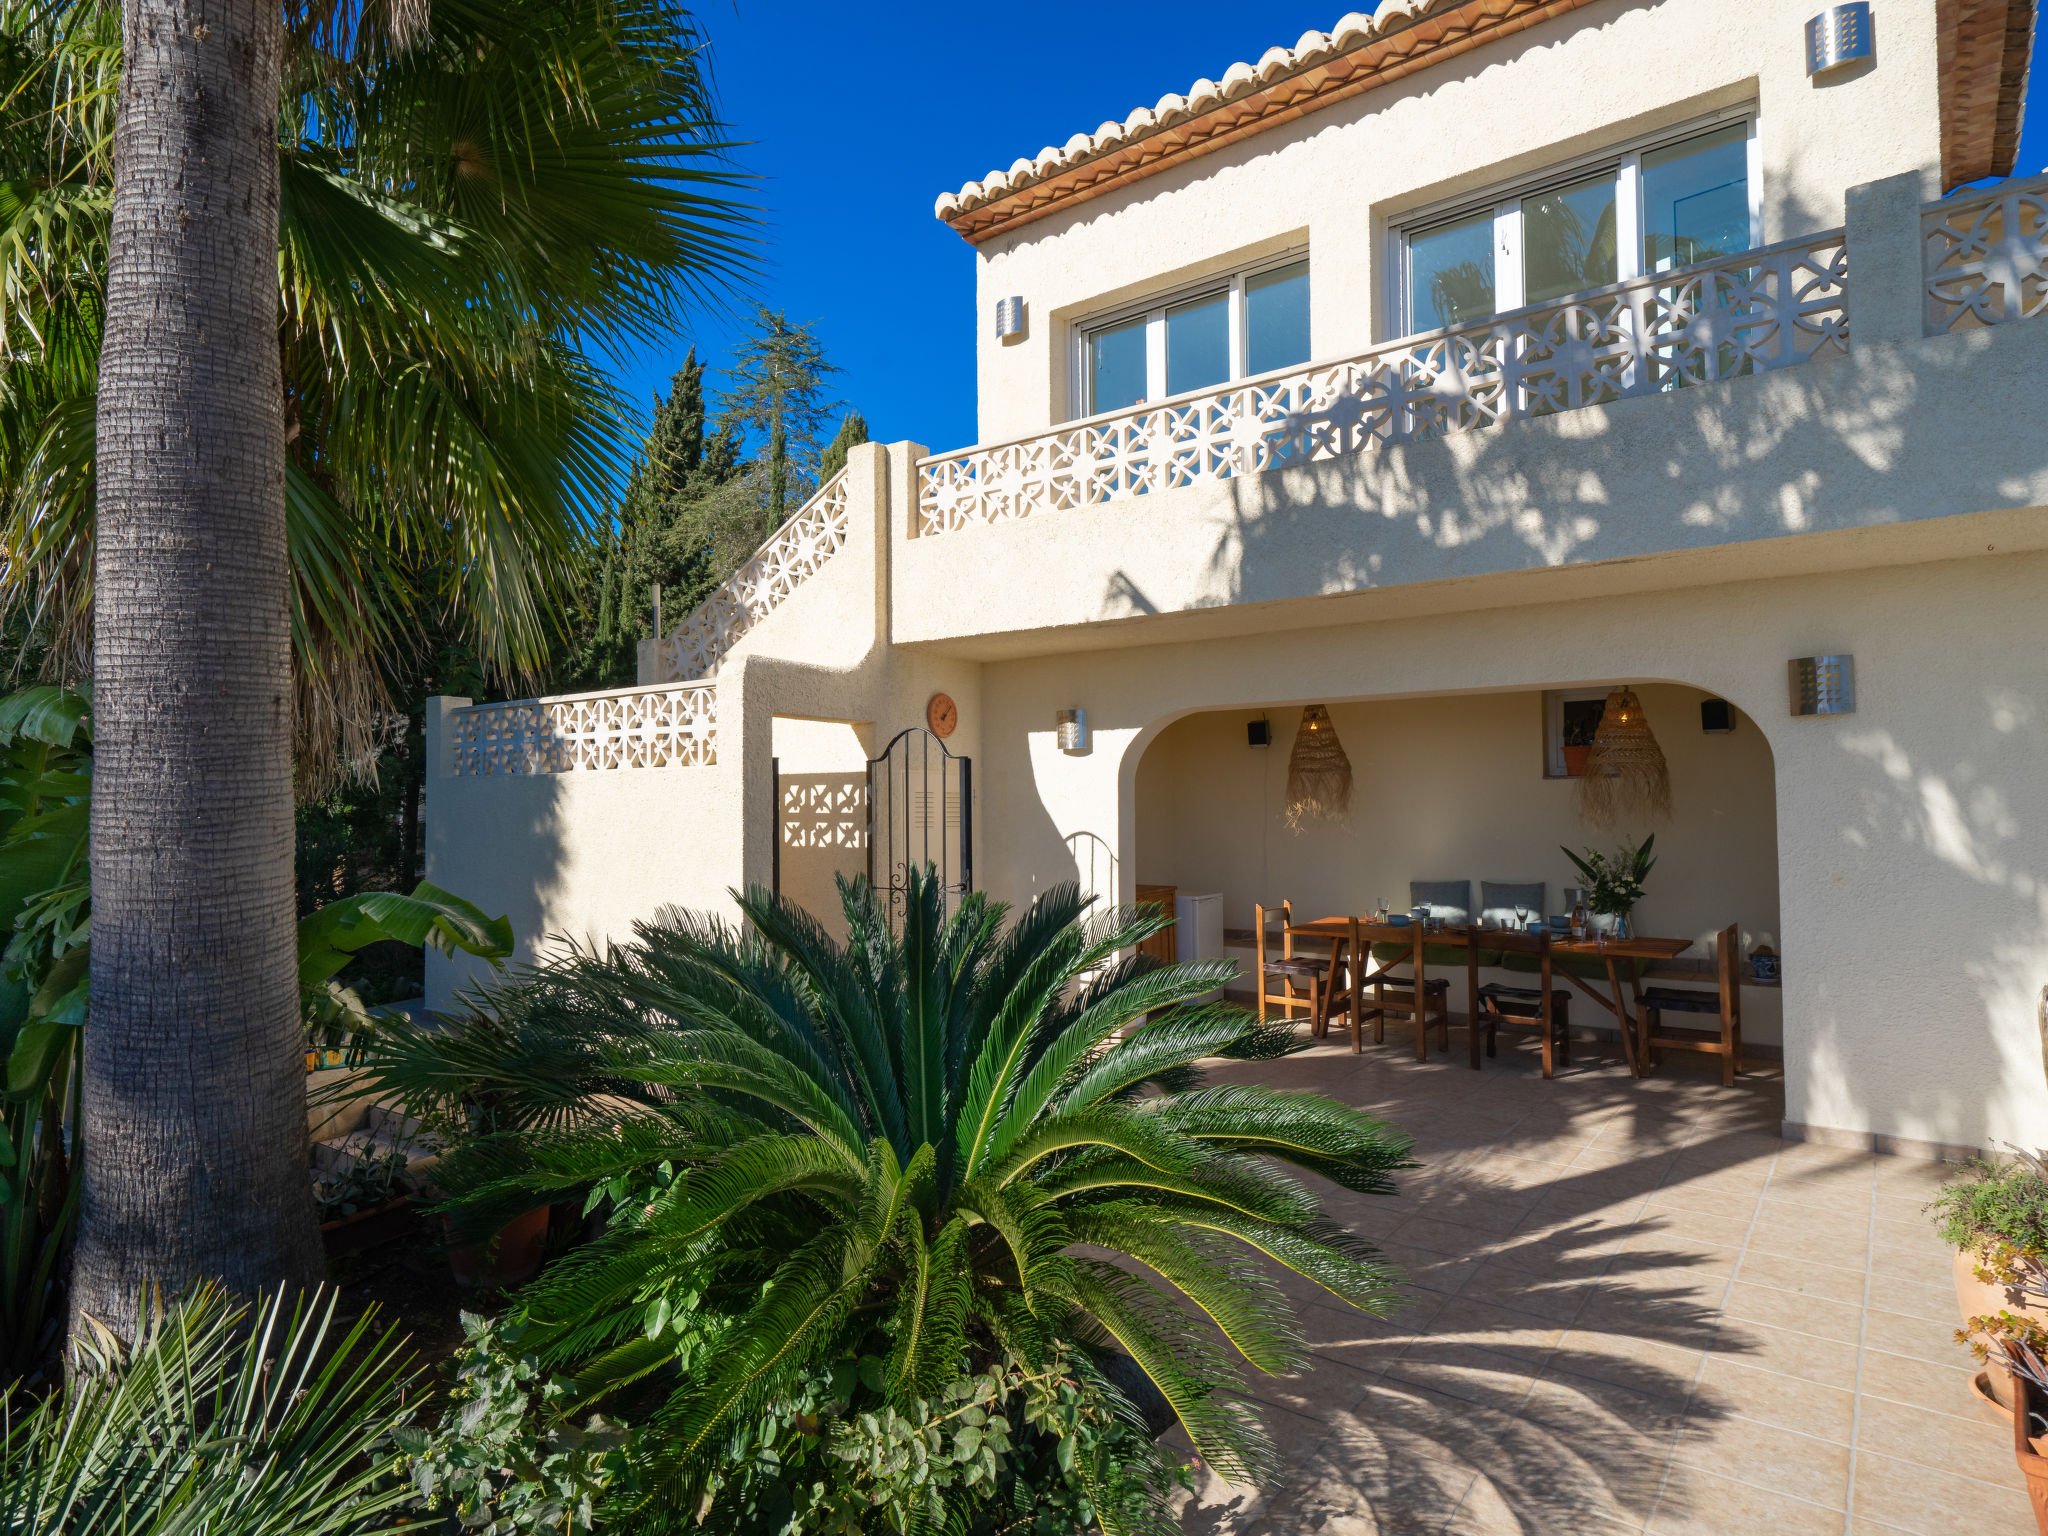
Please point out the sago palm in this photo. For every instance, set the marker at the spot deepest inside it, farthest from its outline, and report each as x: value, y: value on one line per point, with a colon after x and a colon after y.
x: 933, y: 1147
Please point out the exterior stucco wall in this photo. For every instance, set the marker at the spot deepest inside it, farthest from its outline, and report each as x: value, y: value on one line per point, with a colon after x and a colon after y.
x: 579, y: 856
x: 1336, y: 180
x: 1452, y: 788
x: 1912, y: 836
x: 1871, y: 456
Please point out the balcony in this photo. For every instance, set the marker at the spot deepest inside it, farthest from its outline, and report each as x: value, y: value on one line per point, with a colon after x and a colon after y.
x: 1751, y: 313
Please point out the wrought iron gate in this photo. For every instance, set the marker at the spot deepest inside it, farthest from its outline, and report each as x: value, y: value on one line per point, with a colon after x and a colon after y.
x: 920, y: 811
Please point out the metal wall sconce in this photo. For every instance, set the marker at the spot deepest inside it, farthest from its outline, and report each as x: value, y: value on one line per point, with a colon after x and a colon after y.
x: 1823, y: 685
x: 1009, y: 318
x: 1073, y: 730
x: 1839, y: 35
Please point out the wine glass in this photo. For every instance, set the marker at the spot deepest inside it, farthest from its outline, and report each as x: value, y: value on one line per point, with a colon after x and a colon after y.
x: 1522, y: 918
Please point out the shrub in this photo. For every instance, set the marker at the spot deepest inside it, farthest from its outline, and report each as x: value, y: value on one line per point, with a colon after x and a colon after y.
x: 1995, y: 1203
x: 911, y: 1151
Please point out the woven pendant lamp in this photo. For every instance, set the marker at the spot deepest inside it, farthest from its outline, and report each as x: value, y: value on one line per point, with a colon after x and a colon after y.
x: 1625, y: 770
x: 1318, y: 772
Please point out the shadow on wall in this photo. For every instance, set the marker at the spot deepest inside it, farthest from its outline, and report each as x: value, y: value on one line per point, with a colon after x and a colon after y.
x: 498, y: 841
x: 824, y: 832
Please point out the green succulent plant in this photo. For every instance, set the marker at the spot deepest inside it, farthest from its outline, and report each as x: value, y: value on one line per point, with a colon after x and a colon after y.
x: 941, y: 1147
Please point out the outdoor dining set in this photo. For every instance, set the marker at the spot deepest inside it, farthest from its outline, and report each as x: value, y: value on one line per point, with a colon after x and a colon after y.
x: 1369, y: 969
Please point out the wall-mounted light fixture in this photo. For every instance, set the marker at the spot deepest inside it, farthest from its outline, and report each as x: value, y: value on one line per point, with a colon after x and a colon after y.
x: 1073, y: 730
x: 1823, y: 685
x: 1839, y: 35
x: 1009, y: 318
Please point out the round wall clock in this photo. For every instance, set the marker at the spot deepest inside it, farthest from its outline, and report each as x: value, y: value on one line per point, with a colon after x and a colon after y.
x: 942, y: 715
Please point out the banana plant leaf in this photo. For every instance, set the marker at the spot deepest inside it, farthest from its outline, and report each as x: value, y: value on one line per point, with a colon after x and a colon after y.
x: 329, y: 938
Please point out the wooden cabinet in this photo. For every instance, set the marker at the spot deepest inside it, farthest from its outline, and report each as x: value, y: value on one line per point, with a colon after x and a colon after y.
x: 1162, y: 946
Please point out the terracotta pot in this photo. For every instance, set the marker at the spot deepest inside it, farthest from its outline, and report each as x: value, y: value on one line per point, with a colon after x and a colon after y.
x: 2033, y: 1465
x: 1575, y: 761
x: 1976, y: 1298
x: 367, y: 1229
x: 510, y: 1257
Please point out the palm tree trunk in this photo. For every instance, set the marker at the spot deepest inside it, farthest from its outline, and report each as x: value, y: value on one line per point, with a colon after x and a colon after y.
x: 195, y: 1097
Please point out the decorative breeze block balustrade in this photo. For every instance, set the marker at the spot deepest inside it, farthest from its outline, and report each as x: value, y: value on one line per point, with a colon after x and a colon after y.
x: 1748, y: 313
x: 1987, y: 257
x: 790, y: 557
x: 646, y: 728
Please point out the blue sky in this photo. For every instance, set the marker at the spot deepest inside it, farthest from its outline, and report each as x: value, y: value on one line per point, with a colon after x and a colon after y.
x: 858, y: 117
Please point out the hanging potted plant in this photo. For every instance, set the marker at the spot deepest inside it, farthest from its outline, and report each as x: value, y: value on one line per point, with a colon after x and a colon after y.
x: 1614, y: 883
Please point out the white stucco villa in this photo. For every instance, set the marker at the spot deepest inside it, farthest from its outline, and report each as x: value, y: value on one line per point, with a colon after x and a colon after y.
x: 1448, y: 369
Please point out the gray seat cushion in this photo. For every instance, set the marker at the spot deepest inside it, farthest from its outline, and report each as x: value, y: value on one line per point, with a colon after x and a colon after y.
x: 1450, y: 900
x: 1499, y: 898
x: 1674, y: 1000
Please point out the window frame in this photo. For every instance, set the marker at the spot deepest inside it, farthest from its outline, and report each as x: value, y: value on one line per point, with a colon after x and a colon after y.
x: 1153, y: 309
x: 1624, y: 161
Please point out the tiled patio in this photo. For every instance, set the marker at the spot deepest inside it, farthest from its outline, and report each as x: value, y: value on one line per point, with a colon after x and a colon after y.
x: 1634, y: 1308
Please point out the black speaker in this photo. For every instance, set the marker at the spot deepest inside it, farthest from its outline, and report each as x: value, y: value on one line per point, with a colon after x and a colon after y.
x: 1717, y: 717
x: 1258, y: 733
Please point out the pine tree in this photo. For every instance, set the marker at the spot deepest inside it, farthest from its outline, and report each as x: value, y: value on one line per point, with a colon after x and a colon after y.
x: 779, y: 390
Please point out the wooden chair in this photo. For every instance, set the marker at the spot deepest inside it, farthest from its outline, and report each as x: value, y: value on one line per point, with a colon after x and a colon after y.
x: 1501, y: 1005
x: 1309, y: 973
x: 1393, y: 992
x: 1652, y: 1003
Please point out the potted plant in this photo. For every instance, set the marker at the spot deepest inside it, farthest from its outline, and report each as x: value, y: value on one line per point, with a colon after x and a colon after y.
x: 1995, y: 1217
x: 2016, y: 1339
x: 1614, y: 883
x: 366, y: 1204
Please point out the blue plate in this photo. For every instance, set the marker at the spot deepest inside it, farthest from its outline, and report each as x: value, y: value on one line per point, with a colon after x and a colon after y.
x: 1399, y: 920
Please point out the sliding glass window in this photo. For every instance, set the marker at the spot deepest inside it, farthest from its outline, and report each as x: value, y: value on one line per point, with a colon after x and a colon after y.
x: 1670, y: 202
x: 1250, y: 323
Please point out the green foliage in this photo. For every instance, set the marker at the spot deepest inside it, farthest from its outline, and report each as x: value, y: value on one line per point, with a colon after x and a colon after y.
x: 502, y: 1456
x: 1995, y: 1205
x: 218, y: 1419
x: 45, y: 798
x: 370, y: 1180
x: 331, y: 937
x: 912, y: 1148
x: 852, y: 432
x: 1614, y: 883
x: 778, y: 391
x: 478, y: 200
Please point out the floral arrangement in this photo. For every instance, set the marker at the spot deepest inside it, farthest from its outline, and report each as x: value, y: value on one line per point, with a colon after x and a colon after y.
x: 1614, y: 883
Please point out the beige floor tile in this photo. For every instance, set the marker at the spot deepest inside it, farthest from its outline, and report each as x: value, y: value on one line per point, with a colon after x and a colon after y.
x: 1737, y: 1205
x: 1979, y: 1448
x: 1915, y: 1236
x: 1791, y: 1309
x: 1477, y: 1321
x: 1444, y: 1237
x: 1696, y: 1503
x: 1676, y: 1228
x: 1471, y: 1372
x: 1920, y: 1337
x: 1936, y: 1303
x: 1830, y: 1282
x: 1938, y: 1387
x: 1664, y: 1372
x: 1797, y: 1233
x: 1929, y: 1502
x: 1807, y: 1356
x: 1766, y: 1456
x: 1906, y: 1208
x: 1730, y: 1388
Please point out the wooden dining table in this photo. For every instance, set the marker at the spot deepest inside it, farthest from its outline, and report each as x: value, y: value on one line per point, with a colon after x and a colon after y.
x: 1343, y: 932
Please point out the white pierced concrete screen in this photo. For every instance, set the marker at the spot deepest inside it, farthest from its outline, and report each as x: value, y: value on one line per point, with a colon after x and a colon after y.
x: 641, y: 728
x: 1748, y: 313
x: 791, y: 557
x: 1987, y: 257
x: 824, y: 810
